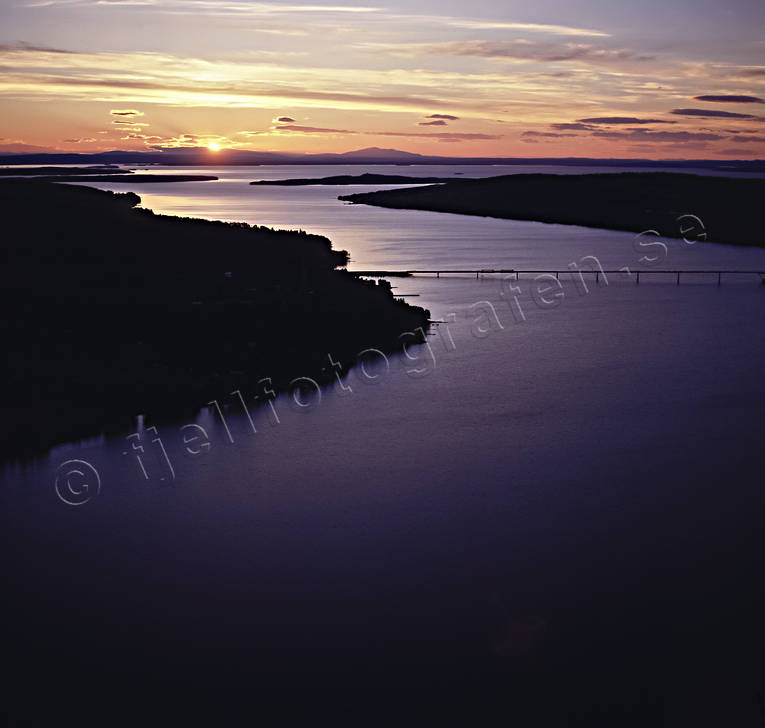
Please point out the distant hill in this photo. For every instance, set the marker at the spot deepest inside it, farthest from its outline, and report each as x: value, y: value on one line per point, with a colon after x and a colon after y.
x: 392, y: 155
x: 200, y: 156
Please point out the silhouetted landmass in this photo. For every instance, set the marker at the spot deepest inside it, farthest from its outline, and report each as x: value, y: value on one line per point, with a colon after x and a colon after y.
x: 730, y: 209
x: 109, y: 310
x: 99, y: 174
x: 371, y: 155
x: 61, y: 171
x: 355, y: 179
x: 130, y: 178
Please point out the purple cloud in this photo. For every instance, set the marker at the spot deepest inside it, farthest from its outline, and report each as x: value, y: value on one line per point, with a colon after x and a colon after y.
x: 730, y: 99
x: 622, y: 120
x: 545, y: 134
x: 644, y: 135
x: 522, y: 49
x: 711, y: 113
x: 745, y: 138
x: 314, y: 129
x: 572, y: 127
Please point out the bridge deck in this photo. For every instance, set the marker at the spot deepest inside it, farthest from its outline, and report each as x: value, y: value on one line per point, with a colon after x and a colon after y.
x: 556, y: 272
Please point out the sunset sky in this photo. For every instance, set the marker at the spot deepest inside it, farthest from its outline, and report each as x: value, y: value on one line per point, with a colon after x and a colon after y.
x: 590, y: 78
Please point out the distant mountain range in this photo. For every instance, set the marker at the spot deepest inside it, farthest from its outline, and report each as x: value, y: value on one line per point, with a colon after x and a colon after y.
x: 199, y: 156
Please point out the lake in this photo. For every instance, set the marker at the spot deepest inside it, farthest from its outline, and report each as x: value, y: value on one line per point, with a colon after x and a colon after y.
x: 567, y: 497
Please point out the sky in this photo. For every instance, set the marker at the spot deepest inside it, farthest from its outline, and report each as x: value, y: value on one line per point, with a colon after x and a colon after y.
x: 549, y: 78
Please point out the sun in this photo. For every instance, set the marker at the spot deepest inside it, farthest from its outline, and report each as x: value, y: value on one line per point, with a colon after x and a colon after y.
x: 213, y: 146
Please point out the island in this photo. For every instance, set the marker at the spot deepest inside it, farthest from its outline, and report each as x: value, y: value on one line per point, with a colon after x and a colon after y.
x: 131, y: 178
x: 99, y: 174
x: 356, y: 179
x: 111, y: 310
x: 728, y: 208
x: 61, y: 171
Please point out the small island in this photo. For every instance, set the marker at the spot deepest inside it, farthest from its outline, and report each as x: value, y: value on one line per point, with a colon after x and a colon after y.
x: 729, y: 208
x: 111, y: 310
x: 356, y: 179
x: 131, y: 178
x: 61, y: 171
x: 99, y: 174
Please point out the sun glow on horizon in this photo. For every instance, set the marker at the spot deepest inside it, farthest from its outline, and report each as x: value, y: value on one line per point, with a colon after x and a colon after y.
x: 465, y: 80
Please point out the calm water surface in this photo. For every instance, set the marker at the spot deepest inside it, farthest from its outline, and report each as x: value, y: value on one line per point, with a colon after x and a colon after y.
x: 539, y: 486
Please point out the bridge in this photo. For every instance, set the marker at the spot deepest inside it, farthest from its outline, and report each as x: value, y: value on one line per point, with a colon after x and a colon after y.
x: 625, y: 271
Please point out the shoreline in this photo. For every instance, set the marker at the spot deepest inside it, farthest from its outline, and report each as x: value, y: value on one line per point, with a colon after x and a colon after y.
x: 113, y: 310
x: 130, y: 178
x: 355, y: 179
x: 727, y: 208
x: 363, y: 157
